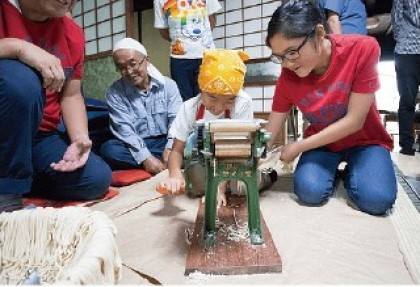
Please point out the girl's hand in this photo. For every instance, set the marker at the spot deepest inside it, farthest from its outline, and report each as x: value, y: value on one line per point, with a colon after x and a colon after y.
x: 289, y: 152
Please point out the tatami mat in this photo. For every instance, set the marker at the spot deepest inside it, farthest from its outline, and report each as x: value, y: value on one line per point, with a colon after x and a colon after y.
x: 405, y: 216
x: 406, y: 220
x: 414, y: 183
x: 330, y: 244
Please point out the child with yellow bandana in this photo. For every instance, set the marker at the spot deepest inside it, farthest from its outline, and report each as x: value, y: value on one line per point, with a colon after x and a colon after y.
x: 221, y: 78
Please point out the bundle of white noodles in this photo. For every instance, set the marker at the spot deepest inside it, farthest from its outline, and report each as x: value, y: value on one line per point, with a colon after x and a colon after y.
x: 71, y: 245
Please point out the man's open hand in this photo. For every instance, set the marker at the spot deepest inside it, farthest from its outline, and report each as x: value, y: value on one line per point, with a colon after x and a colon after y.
x: 75, y: 156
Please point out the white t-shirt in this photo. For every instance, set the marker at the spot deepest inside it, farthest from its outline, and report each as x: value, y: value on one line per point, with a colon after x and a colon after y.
x: 189, y: 25
x: 183, y: 125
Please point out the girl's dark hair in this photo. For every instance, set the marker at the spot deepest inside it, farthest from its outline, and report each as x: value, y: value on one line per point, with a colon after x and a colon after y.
x: 295, y: 19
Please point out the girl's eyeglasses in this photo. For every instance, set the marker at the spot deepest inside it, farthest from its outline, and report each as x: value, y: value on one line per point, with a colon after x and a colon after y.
x: 291, y: 54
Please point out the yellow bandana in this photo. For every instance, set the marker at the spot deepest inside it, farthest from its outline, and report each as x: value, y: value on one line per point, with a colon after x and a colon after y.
x: 222, y: 71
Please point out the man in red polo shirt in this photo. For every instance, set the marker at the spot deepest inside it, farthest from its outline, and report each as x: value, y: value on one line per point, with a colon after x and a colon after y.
x: 41, y: 66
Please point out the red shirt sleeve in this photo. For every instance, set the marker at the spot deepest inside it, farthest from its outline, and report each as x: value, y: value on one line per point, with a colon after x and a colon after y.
x: 366, y: 74
x: 76, y: 42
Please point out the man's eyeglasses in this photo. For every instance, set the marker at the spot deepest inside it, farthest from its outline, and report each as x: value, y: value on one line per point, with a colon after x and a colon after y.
x: 291, y: 54
x: 132, y: 65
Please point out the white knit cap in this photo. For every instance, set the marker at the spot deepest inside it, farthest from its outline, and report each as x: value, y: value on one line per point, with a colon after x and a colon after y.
x: 130, y: 43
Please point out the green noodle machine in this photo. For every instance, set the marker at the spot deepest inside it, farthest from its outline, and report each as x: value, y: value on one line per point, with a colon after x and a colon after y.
x: 229, y: 150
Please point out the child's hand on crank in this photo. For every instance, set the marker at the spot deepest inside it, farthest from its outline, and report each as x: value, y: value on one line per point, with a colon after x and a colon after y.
x: 171, y: 186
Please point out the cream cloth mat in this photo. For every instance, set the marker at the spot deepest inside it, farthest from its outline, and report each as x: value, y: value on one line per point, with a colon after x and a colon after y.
x: 332, y: 244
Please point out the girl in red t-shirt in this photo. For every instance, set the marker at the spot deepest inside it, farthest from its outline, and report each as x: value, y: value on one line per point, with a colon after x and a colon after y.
x: 332, y: 79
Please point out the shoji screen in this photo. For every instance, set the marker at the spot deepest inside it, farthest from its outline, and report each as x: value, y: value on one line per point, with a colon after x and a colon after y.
x: 103, y: 21
x: 242, y: 24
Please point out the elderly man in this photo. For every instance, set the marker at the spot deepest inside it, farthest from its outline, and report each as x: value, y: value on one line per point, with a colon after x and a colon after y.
x: 142, y: 105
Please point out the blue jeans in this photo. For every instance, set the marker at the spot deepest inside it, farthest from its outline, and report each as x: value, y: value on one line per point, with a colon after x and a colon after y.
x: 370, y: 178
x: 86, y: 183
x: 185, y: 73
x: 117, y: 154
x: 407, y: 68
x: 26, y: 155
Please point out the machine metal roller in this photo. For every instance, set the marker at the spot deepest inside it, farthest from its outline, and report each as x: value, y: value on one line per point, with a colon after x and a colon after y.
x: 236, y: 150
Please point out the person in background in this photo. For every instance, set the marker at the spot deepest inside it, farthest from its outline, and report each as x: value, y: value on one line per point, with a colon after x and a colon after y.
x: 41, y: 67
x: 221, y: 80
x: 188, y: 26
x: 332, y: 79
x: 345, y: 16
x: 406, y: 22
x: 142, y: 105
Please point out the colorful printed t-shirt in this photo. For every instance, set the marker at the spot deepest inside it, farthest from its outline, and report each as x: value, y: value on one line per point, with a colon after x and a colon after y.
x: 189, y: 25
x: 61, y: 37
x: 324, y: 99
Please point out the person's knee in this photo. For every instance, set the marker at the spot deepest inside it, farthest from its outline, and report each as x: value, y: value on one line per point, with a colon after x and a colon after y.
x: 20, y: 83
x: 376, y: 202
x: 310, y: 191
x: 99, y: 179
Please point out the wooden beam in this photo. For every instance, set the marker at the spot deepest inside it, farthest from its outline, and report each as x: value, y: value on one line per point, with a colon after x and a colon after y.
x: 140, y: 5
